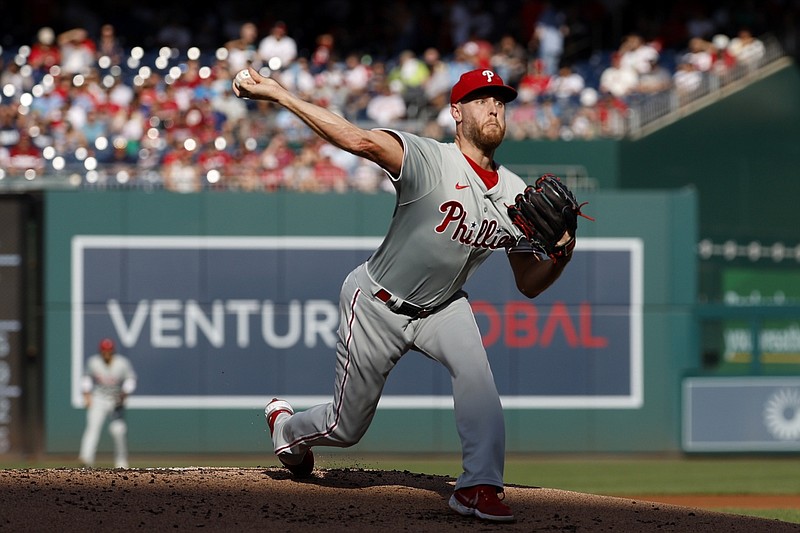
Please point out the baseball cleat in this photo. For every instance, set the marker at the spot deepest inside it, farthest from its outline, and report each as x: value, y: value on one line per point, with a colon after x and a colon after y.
x: 481, y: 501
x: 274, y: 409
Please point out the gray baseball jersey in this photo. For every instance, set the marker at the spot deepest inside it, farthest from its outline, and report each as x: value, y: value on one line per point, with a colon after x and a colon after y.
x: 445, y: 225
x: 109, y: 380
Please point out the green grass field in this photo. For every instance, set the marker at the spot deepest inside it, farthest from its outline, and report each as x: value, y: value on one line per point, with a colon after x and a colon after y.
x: 614, y: 476
x: 606, y: 475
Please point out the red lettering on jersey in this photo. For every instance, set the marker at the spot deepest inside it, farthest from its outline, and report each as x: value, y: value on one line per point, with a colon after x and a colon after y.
x: 453, y: 211
x: 487, y: 235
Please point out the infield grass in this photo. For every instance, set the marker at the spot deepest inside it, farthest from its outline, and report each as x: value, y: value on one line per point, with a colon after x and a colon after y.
x: 644, y: 476
x: 617, y: 476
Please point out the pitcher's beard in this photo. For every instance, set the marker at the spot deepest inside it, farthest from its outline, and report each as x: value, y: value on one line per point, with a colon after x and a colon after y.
x: 487, y: 142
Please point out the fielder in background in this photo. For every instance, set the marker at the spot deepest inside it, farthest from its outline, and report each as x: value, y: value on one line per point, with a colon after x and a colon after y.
x: 108, y: 380
x: 455, y: 206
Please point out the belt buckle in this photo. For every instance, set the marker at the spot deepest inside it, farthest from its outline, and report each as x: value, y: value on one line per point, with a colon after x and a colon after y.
x: 383, y: 295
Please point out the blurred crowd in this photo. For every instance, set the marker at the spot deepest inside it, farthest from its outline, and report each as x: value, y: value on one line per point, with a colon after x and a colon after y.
x: 88, y: 106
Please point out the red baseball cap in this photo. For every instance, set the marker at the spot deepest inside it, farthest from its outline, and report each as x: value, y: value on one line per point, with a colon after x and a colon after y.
x: 481, y: 79
x: 106, y: 345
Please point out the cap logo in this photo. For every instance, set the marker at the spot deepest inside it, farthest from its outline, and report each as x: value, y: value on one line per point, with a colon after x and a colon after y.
x: 489, y: 75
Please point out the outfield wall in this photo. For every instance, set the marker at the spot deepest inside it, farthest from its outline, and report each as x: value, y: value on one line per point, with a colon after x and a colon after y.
x: 223, y: 300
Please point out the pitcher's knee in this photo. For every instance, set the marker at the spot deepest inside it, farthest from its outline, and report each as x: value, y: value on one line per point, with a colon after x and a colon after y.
x: 348, y: 435
x: 117, y: 428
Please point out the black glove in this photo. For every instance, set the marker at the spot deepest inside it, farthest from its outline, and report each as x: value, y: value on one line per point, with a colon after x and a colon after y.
x: 544, y: 212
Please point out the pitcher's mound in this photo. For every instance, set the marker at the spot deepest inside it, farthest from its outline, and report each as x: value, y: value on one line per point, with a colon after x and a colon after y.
x: 346, y: 500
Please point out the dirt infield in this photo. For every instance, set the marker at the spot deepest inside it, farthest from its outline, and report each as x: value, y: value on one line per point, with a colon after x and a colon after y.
x: 352, y: 500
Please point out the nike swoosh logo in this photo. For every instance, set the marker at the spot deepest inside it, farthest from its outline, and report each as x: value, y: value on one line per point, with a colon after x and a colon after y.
x: 459, y: 186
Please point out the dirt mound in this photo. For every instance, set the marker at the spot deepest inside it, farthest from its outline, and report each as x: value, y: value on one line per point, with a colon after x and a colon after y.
x: 352, y: 500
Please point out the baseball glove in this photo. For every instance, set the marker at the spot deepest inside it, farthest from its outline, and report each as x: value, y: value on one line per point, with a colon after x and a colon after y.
x: 544, y: 212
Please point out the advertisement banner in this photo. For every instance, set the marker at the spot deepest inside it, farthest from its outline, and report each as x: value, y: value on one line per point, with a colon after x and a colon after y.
x: 778, y: 339
x: 230, y: 322
x: 746, y: 414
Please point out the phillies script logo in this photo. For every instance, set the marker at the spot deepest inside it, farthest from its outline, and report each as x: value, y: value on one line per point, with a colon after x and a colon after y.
x: 472, y: 234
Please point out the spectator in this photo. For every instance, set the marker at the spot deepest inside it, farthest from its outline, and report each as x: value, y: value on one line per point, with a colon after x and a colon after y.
x: 12, y: 77
x: 339, y: 157
x: 357, y: 77
x: 548, y: 38
x: 121, y: 94
x: 132, y: 127
x: 329, y: 176
x: 700, y: 54
x: 25, y: 156
x: 585, y: 123
x: 479, y: 53
x: 687, y: 80
x: 366, y: 177
x: 548, y: 119
x: 536, y: 82
x: 437, y: 86
x: 387, y: 106
x: 44, y: 52
x: 637, y: 55
x: 295, y: 129
x: 357, y: 73
x: 201, y: 106
x: 522, y: 118
x: 78, y: 51
x: 655, y: 80
x: 612, y: 114
x: 95, y: 126
x: 249, y: 173
x: 724, y: 61
x: 242, y: 51
x: 9, y: 133
x: 408, y: 78
x: 299, y: 78
x: 746, y: 49
x: 216, y: 162
x: 278, y: 50
x: 618, y: 81
x: 300, y: 174
x: 509, y: 59
x: 277, y: 155
x: 181, y: 174
x: 567, y: 84
x: 323, y: 53
x: 122, y: 160
x: 108, y: 45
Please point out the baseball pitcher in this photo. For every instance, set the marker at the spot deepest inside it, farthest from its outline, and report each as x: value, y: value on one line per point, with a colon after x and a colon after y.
x: 455, y: 206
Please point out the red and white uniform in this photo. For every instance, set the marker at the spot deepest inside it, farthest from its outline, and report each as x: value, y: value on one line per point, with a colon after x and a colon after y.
x: 109, y: 384
x: 445, y: 225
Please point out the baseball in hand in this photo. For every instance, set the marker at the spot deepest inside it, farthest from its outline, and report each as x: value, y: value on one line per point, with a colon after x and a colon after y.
x: 242, y: 75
